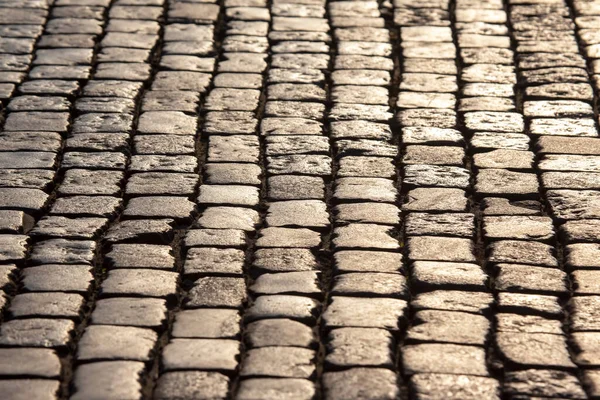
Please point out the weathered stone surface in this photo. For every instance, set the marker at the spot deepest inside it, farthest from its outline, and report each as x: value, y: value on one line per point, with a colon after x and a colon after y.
x: 298, y: 213
x: 518, y: 227
x: 43, y: 363
x: 63, y: 251
x: 379, y: 383
x: 350, y: 347
x: 126, y: 343
x: 444, y: 358
x: 22, y: 389
x: 367, y: 261
x: 288, y: 237
x: 535, y: 382
x: 213, y: 261
x: 140, y: 282
x: 370, y: 284
x: 271, y: 361
x: 130, y: 311
x: 58, y: 278
x: 276, y: 388
x: 454, y: 300
x: 527, y: 324
x: 217, y: 292
x: 108, y: 380
x: 153, y: 231
x: 517, y: 251
x: 440, y: 249
x: 301, y: 282
x: 383, y: 313
x: 448, y: 224
x: 448, y: 327
x: 438, y: 386
x: 528, y: 279
x: 203, y: 354
x: 36, y: 332
x: 428, y: 275
x: 583, y: 310
x: 279, y: 332
x: 206, y: 323
x: 303, y: 309
x: 191, y: 385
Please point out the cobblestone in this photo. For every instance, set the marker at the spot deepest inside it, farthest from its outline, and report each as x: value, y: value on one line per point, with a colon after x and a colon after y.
x: 299, y: 199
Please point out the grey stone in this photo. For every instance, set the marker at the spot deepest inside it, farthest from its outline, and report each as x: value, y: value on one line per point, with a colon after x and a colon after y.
x: 276, y: 388
x: 382, y: 313
x: 192, y: 385
x: 128, y: 256
x: 36, y: 332
x: 376, y: 383
x: 140, y: 282
x: 528, y: 279
x: 221, y: 292
x: 273, y: 362
x: 435, y: 386
x: 58, y: 278
x: 110, y: 380
x: 205, y: 354
x: 126, y: 343
x: 303, y: 309
x: 444, y: 358
x: 129, y: 311
x: 297, y: 282
x: 537, y: 350
x: 213, y: 261
x: 207, y: 323
x: 53, y: 305
x: 449, y: 327
x: 454, y: 300
x: 279, y: 332
x: 536, y: 382
x: 42, y: 363
x: 215, y: 238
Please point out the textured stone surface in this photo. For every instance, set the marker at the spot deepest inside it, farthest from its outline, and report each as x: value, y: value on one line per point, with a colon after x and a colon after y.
x: 313, y: 199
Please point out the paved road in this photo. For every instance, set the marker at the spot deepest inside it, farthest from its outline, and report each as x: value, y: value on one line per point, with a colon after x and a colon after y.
x: 299, y: 199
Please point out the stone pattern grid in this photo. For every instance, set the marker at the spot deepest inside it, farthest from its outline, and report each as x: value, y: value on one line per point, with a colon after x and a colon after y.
x: 299, y: 199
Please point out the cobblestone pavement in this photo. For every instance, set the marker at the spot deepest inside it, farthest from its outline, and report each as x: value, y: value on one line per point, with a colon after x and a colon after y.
x: 299, y: 199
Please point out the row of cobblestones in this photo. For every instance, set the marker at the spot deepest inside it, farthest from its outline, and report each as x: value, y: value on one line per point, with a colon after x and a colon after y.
x: 299, y: 199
